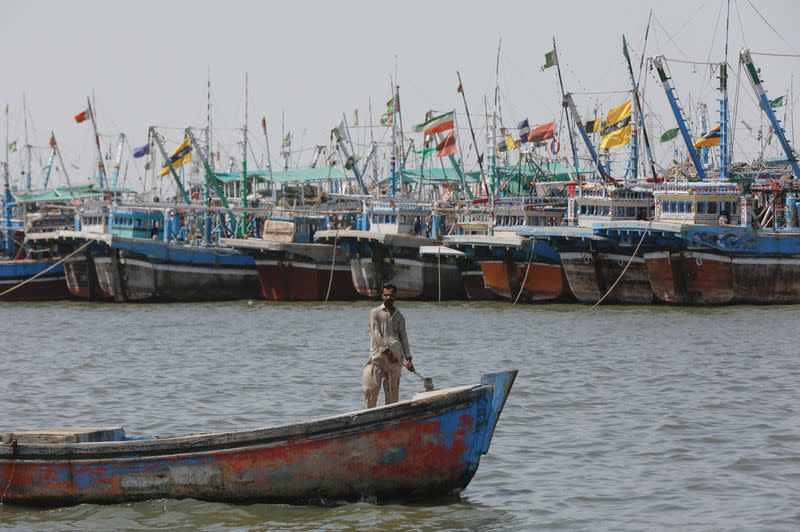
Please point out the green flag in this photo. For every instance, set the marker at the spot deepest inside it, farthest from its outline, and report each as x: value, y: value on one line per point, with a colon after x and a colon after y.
x: 669, y: 134
x: 12, y: 146
x: 550, y: 59
x: 426, y: 151
x: 777, y: 102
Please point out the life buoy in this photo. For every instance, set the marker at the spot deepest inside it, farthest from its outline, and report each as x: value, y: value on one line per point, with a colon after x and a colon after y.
x: 555, y: 146
x: 195, y: 195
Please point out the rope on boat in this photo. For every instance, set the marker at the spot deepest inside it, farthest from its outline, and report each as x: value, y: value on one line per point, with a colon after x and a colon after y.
x: 10, y: 475
x: 635, y: 251
x: 527, y: 269
x: 26, y: 281
x: 333, y: 263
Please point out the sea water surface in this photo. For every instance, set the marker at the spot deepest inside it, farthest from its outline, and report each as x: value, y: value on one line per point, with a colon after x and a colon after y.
x: 624, y: 418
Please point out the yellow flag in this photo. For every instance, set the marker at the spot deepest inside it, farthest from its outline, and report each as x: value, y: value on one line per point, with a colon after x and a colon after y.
x: 617, y: 130
x: 510, y: 144
x: 709, y: 139
x: 179, y: 157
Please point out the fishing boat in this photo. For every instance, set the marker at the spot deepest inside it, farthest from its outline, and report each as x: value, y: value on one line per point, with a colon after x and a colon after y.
x: 427, y: 446
x: 291, y: 267
x: 385, y: 248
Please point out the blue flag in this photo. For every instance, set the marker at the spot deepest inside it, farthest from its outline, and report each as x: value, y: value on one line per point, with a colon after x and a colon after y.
x: 141, y: 151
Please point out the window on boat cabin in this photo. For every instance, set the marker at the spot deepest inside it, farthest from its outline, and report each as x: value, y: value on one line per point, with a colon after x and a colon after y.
x: 394, y: 218
x: 681, y: 206
x: 702, y: 207
x: 630, y: 212
x: 712, y: 207
x: 583, y: 209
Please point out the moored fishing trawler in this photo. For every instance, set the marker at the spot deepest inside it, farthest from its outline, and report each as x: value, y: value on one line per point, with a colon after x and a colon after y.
x: 511, y: 266
x: 385, y: 248
x: 291, y: 266
x: 593, y: 253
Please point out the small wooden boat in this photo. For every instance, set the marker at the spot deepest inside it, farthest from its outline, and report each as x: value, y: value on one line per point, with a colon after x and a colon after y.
x: 427, y: 446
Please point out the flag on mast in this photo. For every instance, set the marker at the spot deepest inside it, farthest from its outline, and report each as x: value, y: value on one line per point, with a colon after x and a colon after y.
x: 437, y: 124
x: 447, y: 146
x: 179, y: 157
x: 550, y: 59
x: 392, y: 107
x: 82, y: 116
x: 617, y: 131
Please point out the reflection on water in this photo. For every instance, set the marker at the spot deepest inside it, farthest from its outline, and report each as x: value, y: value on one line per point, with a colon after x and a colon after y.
x: 623, y: 417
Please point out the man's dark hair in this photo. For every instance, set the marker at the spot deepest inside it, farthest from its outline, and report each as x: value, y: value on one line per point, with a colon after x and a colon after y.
x: 389, y: 286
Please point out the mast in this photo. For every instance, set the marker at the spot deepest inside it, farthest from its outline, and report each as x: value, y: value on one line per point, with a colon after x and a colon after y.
x: 467, y: 191
x: 660, y: 66
x: 243, y: 182
x: 168, y: 161
x: 269, y: 158
x: 393, y: 157
x: 570, y: 104
x: 28, y: 147
x: 752, y: 73
x: 101, y: 167
x: 50, y: 159
x: 723, y: 105
x: 60, y: 159
x: 117, y: 161
x: 569, y: 122
x: 8, y: 199
x: 211, y: 178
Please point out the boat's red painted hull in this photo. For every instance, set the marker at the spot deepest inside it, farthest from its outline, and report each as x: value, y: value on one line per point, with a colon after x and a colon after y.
x: 690, y: 278
x: 304, y: 281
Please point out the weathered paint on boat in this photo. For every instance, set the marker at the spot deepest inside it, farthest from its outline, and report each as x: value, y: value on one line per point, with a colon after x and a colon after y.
x: 766, y: 279
x: 690, y: 277
x: 475, y: 287
x: 427, y: 446
x: 294, y: 280
x: 544, y: 282
x: 591, y: 274
x: 51, y: 285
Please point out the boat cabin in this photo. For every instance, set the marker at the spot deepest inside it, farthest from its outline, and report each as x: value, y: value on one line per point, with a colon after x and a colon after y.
x: 604, y: 203
x: 123, y: 222
x: 397, y: 218
x: 706, y: 203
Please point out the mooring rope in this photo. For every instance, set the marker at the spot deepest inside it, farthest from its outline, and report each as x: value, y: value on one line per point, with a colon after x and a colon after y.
x: 635, y: 251
x: 26, y: 281
x: 527, y: 269
x: 333, y: 262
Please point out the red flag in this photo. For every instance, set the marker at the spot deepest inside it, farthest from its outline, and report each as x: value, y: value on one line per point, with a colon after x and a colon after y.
x: 264, y: 123
x: 447, y: 146
x: 542, y: 132
x: 80, y: 117
x: 52, y: 141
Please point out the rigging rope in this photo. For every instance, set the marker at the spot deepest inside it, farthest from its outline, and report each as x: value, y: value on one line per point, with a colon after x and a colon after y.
x: 630, y: 260
x: 26, y: 281
x: 333, y: 262
x: 527, y: 269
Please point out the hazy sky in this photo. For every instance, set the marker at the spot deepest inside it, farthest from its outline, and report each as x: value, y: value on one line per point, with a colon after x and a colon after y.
x: 147, y: 62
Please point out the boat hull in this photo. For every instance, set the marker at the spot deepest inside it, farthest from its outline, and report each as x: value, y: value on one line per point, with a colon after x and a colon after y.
x: 543, y: 282
x: 591, y: 274
x: 284, y: 280
x: 429, y: 446
x: 369, y: 274
x: 766, y: 279
x: 51, y: 285
x: 142, y: 278
x: 690, y: 277
x: 475, y: 287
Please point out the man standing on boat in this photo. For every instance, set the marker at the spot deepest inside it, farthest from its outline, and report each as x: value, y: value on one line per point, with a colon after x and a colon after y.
x: 388, y: 350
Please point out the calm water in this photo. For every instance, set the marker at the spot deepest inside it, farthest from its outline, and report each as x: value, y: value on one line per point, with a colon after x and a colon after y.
x: 621, y: 418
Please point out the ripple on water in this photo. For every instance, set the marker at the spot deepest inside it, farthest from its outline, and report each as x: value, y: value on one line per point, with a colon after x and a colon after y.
x: 612, y: 423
